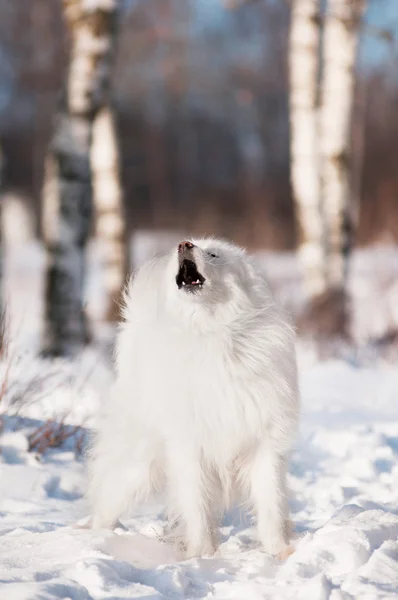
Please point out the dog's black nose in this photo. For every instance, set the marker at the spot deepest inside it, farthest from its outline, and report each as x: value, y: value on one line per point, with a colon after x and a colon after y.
x: 185, y: 246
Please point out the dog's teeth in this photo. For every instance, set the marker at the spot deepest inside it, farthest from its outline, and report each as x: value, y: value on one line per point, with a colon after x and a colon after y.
x: 183, y: 283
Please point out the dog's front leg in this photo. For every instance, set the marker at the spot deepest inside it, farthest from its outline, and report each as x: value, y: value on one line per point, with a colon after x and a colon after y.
x: 189, y: 498
x: 269, y: 497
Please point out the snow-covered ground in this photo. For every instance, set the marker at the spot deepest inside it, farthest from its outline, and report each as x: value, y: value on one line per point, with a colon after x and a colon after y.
x: 344, y: 479
x: 344, y: 476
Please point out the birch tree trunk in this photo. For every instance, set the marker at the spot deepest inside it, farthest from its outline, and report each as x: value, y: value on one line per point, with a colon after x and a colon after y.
x: 341, y: 36
x: 304, y: 99
x: 108, y: 201
x: 2, y: 307
x: 321, y: 153
x: 67, y: 194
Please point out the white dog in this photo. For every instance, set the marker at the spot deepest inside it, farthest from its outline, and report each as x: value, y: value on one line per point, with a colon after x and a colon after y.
x: 205, y: 404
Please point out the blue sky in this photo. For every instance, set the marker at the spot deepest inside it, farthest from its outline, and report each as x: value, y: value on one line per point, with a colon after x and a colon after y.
x: 383, y: 14
x: 374, y: 51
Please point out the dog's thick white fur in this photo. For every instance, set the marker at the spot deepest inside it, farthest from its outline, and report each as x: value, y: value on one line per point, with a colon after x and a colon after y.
x: 205, y: 405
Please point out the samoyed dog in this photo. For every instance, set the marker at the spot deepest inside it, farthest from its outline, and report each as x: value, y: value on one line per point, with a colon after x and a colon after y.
x: 205, y: 405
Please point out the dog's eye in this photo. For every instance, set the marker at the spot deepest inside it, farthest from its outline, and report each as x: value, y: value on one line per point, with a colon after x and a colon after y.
x: 212, y: 254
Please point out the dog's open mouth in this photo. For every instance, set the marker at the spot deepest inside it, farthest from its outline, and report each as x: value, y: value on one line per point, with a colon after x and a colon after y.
x: 188, y: 276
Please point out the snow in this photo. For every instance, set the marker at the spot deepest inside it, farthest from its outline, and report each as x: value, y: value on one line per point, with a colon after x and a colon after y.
x: 343, y: 476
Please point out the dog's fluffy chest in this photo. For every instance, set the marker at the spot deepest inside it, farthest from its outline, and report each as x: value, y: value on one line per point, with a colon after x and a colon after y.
x: 201, y: 387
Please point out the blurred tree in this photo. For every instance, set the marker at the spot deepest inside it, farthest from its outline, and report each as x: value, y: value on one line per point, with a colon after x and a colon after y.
x: 305, y: 32
x: 67, y: 193
x: 1, y: 246
x: 109, y: 207
x: 341, y: 35
x: 184, y: 73
x: 322, y: 95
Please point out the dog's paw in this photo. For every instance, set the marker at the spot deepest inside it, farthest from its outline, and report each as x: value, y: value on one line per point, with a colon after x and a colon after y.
x: 207, y: 547
x: 277, y: 546
x: 97, y: 523
x: 85, y: 523
x: 285, y: 553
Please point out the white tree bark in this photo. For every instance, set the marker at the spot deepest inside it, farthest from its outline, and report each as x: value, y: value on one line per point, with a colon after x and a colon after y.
x: 2, y: 307
x: 108, y: 201
x: 304, y: 94
x: 67, y: 187
x: 341, y: 35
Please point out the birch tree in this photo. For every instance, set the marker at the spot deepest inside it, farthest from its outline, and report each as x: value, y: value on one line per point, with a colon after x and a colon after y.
x: 67, y: 193
x: 304, y: 45
x: 340, y: 44
x: 108, y: 201
x: 2, y: 308
x: 321, y: 153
